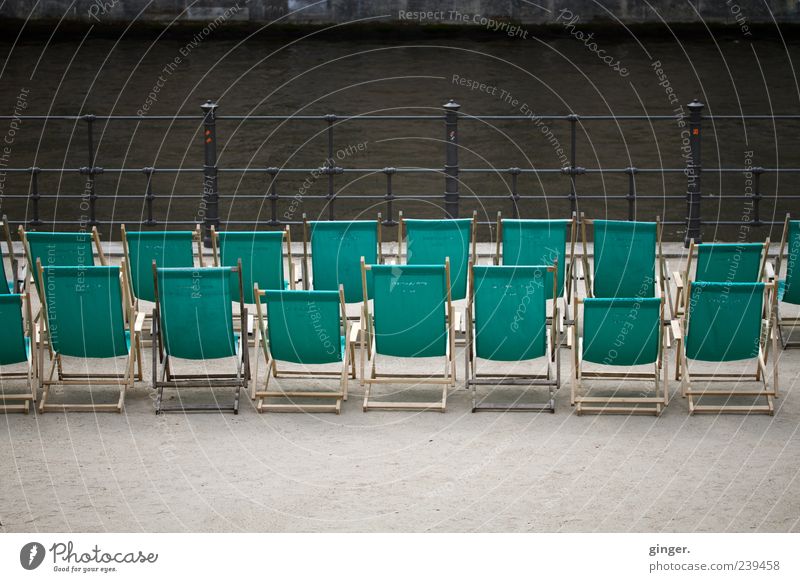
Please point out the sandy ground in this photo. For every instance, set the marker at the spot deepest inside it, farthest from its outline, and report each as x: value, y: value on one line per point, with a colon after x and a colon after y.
x: 403, y: 471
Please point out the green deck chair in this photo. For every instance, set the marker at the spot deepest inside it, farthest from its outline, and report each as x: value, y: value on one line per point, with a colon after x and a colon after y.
x: 61, y: 249
x: 412, y: 318
x: 507, y: 322
x: 85, y: 309
x: 620, y: 333
x: 195, y: 322
x: 261, y: 253
x: 170, y: 249
x: 261, y: 256
x: 430, y: 242
x: 722, y: 263
x: 628, y: 259
x: 539, y: 242
x: 336, y: 248
x: 58, y: 249
x: 307, y: 328
x: 16, y: 350
x: 728, y: 322
x: 788, y: 288
x: 8, y: 285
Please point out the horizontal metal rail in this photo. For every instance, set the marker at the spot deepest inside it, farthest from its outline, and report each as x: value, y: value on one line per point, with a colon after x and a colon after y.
x: 689, y: 120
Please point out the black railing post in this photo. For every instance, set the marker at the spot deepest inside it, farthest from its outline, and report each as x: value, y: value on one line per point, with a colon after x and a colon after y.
x: 149, y: 196
x: 389, y: 172
x: 451, y: 186
x: 210, y: 210
x: 273, y: 196
x: 514, y: 192
x: 631, y: 196
x: 330, y: 165
x: 89, y: 190
x: 694, y: 171
x: 757, y: 171
x: 35, y: 197
x: 573, y: 162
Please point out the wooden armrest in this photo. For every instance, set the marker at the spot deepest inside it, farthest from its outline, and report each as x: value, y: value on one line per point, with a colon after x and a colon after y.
x: 138, y: 324
x: 354, y: 331
x: 458, y: 321
x: 678, y: 279
x: 251, y: 321
x: 675, y: 324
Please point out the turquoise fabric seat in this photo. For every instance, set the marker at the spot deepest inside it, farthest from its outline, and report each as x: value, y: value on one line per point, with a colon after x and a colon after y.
x: 86, y: 318
x: 624, y: 259
x: 537, y: 242
x: 337, y: 247
x: 304, y: 328
x: 726, y: 323
x: 430, y: 242
x: 15, y: 349
x: 412, y: 318
x: 507, y: 322
x: 195, y: 322
x: 166, y: 248
x: 261, y: 256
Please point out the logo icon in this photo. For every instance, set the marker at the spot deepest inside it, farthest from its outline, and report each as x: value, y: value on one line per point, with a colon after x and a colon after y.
x: 31, y: 555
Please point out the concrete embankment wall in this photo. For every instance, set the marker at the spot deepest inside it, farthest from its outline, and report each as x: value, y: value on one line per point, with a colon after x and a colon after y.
x: 479, y: 13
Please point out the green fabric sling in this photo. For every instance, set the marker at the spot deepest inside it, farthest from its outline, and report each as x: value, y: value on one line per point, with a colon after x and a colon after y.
x: 261, y: 254
x: 167, y: 248
x: 14, y: 346
x: 304, y: 326
x: 336, y: 250
x: 410, y: 304
x: 724, y: 321
x: 430, y: 242
x: 537, y: 242
x: 195, y: 313
x: 621, y: 331
x: 84, y: 311
x: 511, y: 312
x: 624, y: 258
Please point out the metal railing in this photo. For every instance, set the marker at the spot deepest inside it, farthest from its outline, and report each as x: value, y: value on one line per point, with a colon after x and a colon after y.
x: 691, y: 126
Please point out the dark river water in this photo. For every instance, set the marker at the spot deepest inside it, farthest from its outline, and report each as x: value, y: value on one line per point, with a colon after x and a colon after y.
x: 552, y: 75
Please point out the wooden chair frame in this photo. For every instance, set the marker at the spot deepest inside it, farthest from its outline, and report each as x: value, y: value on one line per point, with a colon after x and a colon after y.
x: 767, y: 338
x: 774, y: 275
x: 345, y: 374
x: 163, y: 376
x: 655, y: 404
x: 125, y: 381
x: 552, y: 380
x: 31, y: 374
x: 448, y: 378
